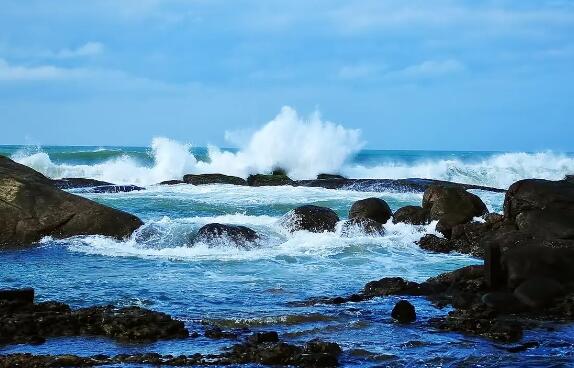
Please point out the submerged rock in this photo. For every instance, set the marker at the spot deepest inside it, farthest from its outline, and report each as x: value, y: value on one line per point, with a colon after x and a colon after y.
x: 261, y: 180
x: 404, y: 312
x: 31, y: 207
x: 362, y: 225
x: 452, y: 206
x: 415, y: 215
x: 218, y: 234
x: 374, y: 209
x: 311, y: 218
x: 202, y: 179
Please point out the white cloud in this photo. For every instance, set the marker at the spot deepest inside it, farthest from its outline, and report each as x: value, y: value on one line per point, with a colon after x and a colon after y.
x: 10, y: 72
x: 430, y: 68
x: 88, y: 49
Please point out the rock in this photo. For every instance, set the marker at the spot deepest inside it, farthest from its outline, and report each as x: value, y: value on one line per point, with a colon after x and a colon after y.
x: 171, y: 182
x: 495, y: 275
x: 25, y: 295
x: 542, y: 208
x: 217, y: 333
x: 31, y: 207
x: 362, y: 226
x: 375, y: 209
x: 415, y: 215
x: 493, y: 218
x: 538, y: 292
x: 502, y: 301
x: 222, y: 234
x: 404, y: 312
x: 202, y: 179
x: 310, y: 218
x: 330, y: 177
x: 392, y: 286
x: 263, y: 337
x: 22, y: 321
x: 260, y: 180
x: 433, y: 243
x: 111, y: 189
x: 525, y: 262
x: 452, y: 206
x: 569, y: 178
x: 72, y: 183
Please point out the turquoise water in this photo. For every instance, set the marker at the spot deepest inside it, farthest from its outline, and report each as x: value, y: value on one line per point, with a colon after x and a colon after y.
x: 160, y: 268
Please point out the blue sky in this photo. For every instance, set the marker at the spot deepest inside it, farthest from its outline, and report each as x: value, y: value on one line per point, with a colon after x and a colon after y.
x: 463, y: 75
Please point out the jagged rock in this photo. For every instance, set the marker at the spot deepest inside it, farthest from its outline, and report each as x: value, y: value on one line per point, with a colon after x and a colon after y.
x: 404, y: 312
x: 260, y: 180
x: 452, y: 206
x: 415, y: 215
x: 202, y: 179
x: 223, y: 234
x: 374, y: 209
x: 433, y: 243
x: 362, y: 225
x: 311, y: 218
x: 31, y: 207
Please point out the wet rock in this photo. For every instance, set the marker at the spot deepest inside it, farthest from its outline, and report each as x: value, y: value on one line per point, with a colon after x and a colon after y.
x: 374, y: 209
x: 111, y: 189
x: 415, y: 215
x: 526, y: 262
x: 362, y: 225
x: 217, y: 333
x: 392, y: 286
x: 25, y: 295
x: 263, y: 337
x: 171, y: 182
x: 494, y: 273
x: 22, y: 321
x: 330, y: 177
x: 433, y: 243
x: 222, y: 234
x: 493, y: 218
x: 202, y: 179
x: 260, y: 180
x: 452, y: 206
x: 404, y: 312
x: 542, y: 208
x: 31, y: 207
x: 569, y: 178
x: 311, y: 218
x: 503, y: 302
x: 538, y: 292
x: 72, y: 183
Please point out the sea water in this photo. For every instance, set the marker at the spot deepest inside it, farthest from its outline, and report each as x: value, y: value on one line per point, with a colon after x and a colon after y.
x: 160, y: 267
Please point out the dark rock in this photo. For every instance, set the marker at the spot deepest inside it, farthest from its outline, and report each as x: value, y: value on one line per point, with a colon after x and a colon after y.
x: 217, y: 333
x: 31, y: 207
x: 25, y: 295
x: 311, y: 218
x: 330, y: 177
x: 171, y: 182
x: 202, y: 179
x: 502, y: 301
x: 542, y: 208
x: 392, y: 286
x: 222, y: 234
x: 72, y: 183
x: 263, y: 337
x: 261, y: 180
x: 495, y: 275
x: 375, y: 209
x: 279, y: 171
x: 362, y: 225
x: 538, y: 292
x: 433, y: 243
x: 414, y: 215
x: 404, y: 312
x: 493, y: 218
x: 452, y: 206
x: 22, y: 321
x: 526, y: 262
x: 569, y: 178
x: 111, y: 189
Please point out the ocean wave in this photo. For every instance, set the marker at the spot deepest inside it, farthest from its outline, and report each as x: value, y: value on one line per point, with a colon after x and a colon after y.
x: 304, y: 148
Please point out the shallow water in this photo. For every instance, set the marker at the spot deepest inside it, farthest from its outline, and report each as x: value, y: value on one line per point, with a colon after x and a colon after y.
x: 160, y: 268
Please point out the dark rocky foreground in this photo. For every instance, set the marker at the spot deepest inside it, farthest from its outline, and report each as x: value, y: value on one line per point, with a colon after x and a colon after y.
x: 23, y: 321
x: 261, y: 348
x: 31, y: 207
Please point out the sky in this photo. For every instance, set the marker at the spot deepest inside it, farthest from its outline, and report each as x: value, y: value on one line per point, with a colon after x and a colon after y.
x: 442, y: 75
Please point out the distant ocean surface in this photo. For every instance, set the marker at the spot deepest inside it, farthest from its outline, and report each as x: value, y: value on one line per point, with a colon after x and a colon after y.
x: 159, y: 267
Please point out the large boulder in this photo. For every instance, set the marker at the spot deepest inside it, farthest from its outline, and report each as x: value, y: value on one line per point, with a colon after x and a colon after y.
x: 223, y: 234
x: 202, y: 179
x: 542, y: 208
x: 375, y: 209
x: 415, y: 215
x: 311, y: 218
x: 451, y: 206
x: 31, y: 207
x: 404, y: 312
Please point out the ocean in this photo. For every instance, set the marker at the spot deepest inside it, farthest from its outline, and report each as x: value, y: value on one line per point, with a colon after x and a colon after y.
x: 160, y: 268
